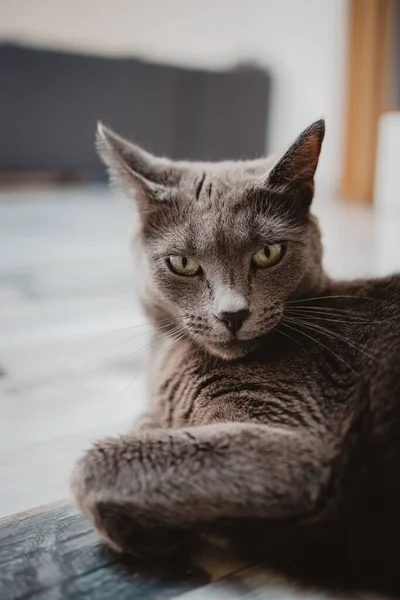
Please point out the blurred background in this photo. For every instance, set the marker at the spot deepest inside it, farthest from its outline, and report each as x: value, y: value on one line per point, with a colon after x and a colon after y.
x: 204, y: 80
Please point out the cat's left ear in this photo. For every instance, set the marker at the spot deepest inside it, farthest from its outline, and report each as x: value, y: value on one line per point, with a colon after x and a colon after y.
x: 135, y: 172
x: 297, y: 166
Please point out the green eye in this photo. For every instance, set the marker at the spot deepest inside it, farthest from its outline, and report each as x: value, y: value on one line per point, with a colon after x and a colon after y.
x: 184, y: 265
x: 268, y: 256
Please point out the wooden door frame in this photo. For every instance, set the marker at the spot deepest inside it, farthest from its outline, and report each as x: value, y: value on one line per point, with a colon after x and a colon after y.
x: 370, y: 39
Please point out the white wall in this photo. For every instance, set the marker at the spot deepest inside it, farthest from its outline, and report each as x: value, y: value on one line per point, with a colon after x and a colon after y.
x: 302, y: 42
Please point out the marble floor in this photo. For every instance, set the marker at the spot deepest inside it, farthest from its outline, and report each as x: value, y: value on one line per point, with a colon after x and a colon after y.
x: 71, y: 356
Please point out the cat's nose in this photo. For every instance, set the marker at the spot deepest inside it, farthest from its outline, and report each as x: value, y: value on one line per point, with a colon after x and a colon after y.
x: 234, y: 320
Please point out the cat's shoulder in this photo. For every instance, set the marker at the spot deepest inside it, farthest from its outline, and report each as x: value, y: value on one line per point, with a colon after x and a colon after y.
x: 386, y: 289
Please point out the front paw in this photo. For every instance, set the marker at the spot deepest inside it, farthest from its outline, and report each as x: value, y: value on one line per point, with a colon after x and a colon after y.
x: 87, y: 491
x: 120, y: 529
x: 120, y: 520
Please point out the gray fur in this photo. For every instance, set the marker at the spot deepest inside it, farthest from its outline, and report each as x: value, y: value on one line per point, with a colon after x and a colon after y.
x: 286, y: 423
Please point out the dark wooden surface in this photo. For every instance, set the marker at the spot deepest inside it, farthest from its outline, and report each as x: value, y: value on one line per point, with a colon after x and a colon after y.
x: 52, y: 553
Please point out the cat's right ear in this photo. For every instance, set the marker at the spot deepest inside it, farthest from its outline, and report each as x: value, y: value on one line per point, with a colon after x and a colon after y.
x: 295, y: 170
x: 134, y: 172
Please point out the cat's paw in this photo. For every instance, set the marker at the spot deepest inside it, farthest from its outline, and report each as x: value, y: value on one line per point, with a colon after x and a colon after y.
x: 122, y: 530
x: 118, y: 520
x: 87, y: 492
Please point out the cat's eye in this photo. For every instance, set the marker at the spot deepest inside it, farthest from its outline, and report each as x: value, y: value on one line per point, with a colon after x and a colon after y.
x: 268, y: 255
x: 183, y: 265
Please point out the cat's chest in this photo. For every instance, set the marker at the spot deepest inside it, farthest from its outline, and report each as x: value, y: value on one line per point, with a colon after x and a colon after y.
x: 193, y: 391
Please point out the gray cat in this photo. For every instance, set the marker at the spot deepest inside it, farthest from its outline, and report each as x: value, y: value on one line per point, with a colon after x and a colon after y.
x: 275, y: 390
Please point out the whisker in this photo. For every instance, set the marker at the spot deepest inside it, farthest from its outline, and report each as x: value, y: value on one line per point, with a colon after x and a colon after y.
x: 327, y: 297
x: 155, y: 340
x: 132, y: 354
x: 148, y: 324
x: 138, y: 374
x: 113, y: 371
x: 291, y: 338
x: 179, y: 337
x: 160, y: 327
x: 312, y: 315
x: 176, y: 335
x: 320, y: 343
x: 341, y: 312
x: 323, y: 308
x: 328, y: 332
x: 134, y: 337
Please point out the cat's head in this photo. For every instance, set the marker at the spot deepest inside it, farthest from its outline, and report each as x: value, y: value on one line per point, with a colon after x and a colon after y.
x: 221, y: 246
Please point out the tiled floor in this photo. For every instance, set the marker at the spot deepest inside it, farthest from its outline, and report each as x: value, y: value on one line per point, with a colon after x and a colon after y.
x: 71, y: 371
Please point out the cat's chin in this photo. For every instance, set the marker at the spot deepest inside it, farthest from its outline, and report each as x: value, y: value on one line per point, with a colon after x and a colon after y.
x: 233, y: 349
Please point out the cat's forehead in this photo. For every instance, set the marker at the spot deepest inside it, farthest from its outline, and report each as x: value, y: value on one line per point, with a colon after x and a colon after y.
x: 218, y: 203
x: 206, y: 233
x: 218, y: 198
x: 219, y: 215
x: 216, y: 181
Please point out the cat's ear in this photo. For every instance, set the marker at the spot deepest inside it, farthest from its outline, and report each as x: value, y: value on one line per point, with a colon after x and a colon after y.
x: 135, y: 172
x: 296, y: 168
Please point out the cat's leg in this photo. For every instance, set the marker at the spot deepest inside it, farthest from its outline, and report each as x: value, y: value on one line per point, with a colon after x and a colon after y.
x: 159, y: 481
